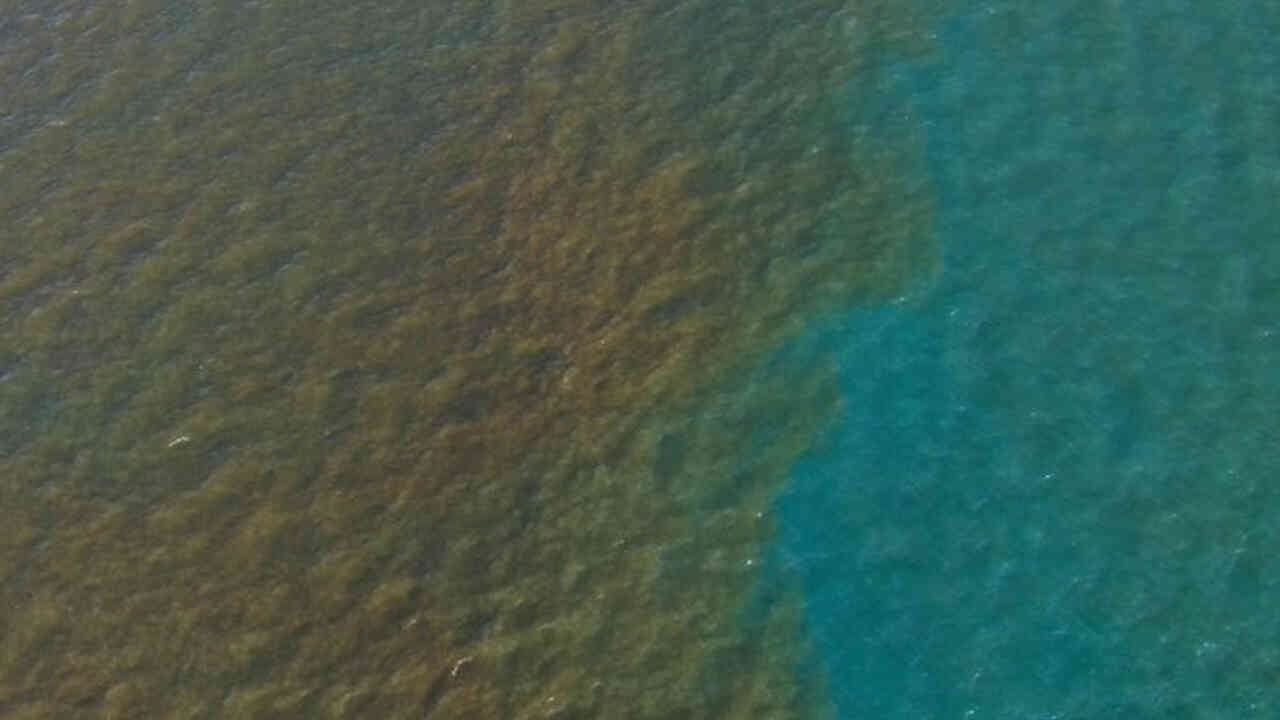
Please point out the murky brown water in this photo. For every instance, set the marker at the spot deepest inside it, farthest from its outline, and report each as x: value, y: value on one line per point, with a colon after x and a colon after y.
x: 397, y: 360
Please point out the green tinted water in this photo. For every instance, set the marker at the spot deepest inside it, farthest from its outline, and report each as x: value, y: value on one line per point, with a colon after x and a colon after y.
x: 393, y: 360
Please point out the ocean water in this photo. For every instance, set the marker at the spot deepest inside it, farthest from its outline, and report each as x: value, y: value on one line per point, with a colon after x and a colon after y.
x: 1052, y: 492
x: 400, y: 359
x: 404, y: 359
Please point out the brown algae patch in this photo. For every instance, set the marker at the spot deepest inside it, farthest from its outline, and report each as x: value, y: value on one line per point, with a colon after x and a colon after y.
x: 400, y: 361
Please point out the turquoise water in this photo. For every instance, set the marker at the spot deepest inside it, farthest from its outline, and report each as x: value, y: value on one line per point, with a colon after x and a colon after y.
x: 1052, y: 493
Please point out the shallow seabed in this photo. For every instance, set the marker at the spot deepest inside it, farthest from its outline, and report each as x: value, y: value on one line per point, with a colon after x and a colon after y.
x: 401, y: 359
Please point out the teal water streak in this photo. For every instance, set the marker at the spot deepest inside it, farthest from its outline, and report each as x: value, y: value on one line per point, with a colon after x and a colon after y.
x: 1051, y: 494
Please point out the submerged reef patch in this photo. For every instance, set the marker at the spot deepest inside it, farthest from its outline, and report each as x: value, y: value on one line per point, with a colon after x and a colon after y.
x: 391, y: 360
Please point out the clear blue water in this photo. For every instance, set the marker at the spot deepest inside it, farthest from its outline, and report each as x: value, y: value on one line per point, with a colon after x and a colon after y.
x: 1054, y: 490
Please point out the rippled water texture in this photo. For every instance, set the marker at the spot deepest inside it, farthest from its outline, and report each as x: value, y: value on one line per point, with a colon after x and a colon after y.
x: 404, y: 359
x: 1053, y: 494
